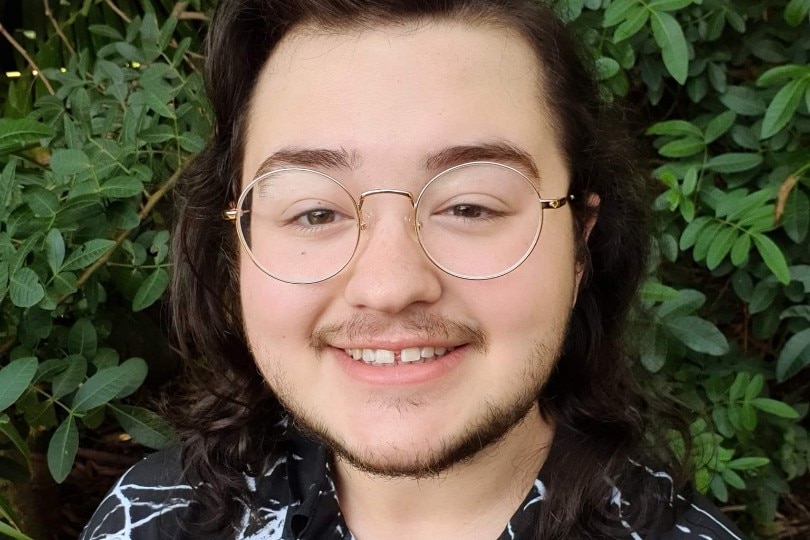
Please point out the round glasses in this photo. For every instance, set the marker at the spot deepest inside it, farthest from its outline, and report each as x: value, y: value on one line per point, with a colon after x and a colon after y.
x: 478, y: 220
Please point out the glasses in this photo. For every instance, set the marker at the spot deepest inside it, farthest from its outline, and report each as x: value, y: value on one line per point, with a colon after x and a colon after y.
x: 477, y: 221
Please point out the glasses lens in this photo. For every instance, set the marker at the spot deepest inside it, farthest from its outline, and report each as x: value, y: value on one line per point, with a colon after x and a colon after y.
x: 479, y: 220
x: 299, y: 226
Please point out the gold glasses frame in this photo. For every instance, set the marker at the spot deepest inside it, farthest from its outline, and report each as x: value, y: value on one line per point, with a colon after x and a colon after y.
x: 235, y: 212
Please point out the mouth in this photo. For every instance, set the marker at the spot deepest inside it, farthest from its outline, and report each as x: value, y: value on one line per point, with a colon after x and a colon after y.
x: 387, y: 358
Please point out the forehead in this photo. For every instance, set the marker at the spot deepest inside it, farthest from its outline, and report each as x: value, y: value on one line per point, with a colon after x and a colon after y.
x: 388, y: 96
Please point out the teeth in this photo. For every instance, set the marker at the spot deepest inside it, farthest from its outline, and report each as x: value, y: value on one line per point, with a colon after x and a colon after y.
x: 411, y: 354
x: 386, y: 357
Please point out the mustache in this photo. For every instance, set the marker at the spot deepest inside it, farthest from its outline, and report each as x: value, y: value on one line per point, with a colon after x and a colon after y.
x: 425, y: 325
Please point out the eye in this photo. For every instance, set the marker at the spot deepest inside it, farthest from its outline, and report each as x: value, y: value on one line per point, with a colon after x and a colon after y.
x: 316, y: 217
x: 469, y: 211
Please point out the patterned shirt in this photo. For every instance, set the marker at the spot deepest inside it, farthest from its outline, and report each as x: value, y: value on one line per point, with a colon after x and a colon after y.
x: 296, y: 499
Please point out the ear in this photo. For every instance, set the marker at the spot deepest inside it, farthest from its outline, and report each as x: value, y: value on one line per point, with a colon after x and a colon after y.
x: 592, y: 203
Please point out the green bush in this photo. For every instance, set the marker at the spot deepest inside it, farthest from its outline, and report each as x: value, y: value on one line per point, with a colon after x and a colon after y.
x: 89, y: 158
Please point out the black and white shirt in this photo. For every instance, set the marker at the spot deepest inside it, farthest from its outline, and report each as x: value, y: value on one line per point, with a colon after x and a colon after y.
x: 297, y: 500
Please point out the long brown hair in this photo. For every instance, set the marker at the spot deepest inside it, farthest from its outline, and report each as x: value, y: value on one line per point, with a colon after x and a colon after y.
x: 230, y: 425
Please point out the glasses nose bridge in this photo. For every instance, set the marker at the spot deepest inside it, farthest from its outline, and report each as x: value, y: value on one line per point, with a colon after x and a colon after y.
x: 366, y: 194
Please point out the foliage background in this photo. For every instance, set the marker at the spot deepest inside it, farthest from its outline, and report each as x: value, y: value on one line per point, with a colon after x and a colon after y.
x: 109, y: 105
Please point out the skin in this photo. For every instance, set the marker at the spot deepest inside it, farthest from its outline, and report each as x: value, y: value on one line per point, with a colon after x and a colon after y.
x: 389, y: 97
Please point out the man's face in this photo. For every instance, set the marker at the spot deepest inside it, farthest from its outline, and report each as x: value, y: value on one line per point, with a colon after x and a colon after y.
x: 388, y: 99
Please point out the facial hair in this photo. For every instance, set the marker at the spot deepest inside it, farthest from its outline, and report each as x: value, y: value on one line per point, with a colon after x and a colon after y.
x: 494, y: 421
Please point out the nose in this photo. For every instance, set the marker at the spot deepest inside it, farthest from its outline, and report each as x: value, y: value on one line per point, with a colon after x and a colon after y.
x: 389, y: 271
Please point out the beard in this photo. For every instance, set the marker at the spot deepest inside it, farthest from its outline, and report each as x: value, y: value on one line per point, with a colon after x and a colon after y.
x: 494, y: 421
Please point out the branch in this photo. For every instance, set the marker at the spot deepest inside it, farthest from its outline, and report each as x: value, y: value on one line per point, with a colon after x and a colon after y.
x: 49, y: 14
x: 147, y: 208
x: 118, y: 11
x: 28, y: 59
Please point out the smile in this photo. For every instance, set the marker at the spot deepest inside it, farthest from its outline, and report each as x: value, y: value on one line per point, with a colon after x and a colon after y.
x: 411, y: 355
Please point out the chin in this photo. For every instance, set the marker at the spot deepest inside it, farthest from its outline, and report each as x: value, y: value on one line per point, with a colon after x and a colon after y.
x: 424, y: 450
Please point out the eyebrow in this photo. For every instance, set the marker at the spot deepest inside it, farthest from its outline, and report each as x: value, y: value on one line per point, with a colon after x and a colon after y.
x: 310, y: 157
x: 325, y: 158
x: 499, y: 151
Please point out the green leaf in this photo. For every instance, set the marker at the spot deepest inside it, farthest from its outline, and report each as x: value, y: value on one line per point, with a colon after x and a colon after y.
x: 690, y: 180
x: 166, y: 32
x: 3, y: 280
x: 783, y: 73
x: 776, y: 408
x: 743, y: 101
x: 144, y: 426
x: 737, y: 388
x: 698, y: 334
x: 14, y: 380
x: 158, y: 103
x: 24, y: 288
x: 121, y: 187
x: 18, y: 133
x: 773, y: 257
x: 740, y: 249
x: 794, y: 357
x: 617, y: 12
x: 62, y: 449
x: 719, y: 125
x: 8, y: 429
x: 10, y: 531
x: 55, y: 250
x: 797, y: 216
x: 796, y: 311
x: 65, y: 283
x: 747, y: 463
x: 675, y: 128
x: 692, y: 231
x: 105, y: 31
x: 100, y: 388
x: 194, y: 143
x: 734, y: 162
x: 42, y: 202
x: 721, y: 422
x: 720, y: 246
x: 70, y: 379
x: 634, y: 22
x: 83, y: 339
x: 135, y: 370
x: 783, y: 107
x: 670, y: 5
x: 754, y: 387
x: 606, y: 68
x: 66, y: 162
x: 87, y: 254
x: 748, y: 417
x: 670, y: 38
x: 733, y: 479
x: 652, y: 291
x: 129, y: 52
x: 796, y: 12
x: 685, y: 147
x: 151, y: 289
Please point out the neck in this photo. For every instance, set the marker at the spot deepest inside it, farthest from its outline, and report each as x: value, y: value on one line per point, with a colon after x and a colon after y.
x: 471, y: 500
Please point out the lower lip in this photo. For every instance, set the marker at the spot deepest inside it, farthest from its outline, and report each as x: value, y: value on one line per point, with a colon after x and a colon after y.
x: 399, y: 374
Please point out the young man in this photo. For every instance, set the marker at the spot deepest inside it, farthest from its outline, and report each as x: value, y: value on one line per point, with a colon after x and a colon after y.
x: 406, y: 256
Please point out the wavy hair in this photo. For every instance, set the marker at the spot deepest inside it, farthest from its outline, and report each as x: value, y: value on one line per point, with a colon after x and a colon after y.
x: 229, y: 423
